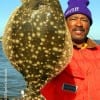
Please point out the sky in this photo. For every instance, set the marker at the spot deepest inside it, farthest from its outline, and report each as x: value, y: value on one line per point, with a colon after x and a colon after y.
x: 7, y: 7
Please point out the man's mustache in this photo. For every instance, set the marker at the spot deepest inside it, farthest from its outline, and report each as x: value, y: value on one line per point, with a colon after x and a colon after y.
x: 78, y: 29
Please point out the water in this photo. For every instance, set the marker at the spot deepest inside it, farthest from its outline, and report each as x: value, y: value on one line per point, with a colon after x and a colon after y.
x: 11, y: 81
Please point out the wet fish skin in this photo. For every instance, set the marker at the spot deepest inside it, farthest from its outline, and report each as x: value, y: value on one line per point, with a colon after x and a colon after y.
x: 37, y: 43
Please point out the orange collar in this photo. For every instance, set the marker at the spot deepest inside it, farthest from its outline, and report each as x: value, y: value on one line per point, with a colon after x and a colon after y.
x: 88, y: 44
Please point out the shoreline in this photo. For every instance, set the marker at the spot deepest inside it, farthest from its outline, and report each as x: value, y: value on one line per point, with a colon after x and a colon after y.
x: 0, y: 40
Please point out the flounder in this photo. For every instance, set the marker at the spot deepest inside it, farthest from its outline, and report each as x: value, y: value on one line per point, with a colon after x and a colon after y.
x: 37, y: 43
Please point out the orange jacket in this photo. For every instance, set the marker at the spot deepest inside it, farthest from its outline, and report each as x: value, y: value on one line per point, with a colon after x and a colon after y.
x: 80, y: 80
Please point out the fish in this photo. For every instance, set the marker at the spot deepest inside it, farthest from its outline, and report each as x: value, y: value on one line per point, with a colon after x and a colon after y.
x: 37, y: 43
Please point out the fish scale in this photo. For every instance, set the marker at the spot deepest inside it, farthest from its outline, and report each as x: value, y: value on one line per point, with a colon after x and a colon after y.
x: 37, y: 43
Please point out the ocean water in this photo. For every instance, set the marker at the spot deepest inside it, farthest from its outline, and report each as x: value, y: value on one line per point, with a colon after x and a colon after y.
x: 11, y: 81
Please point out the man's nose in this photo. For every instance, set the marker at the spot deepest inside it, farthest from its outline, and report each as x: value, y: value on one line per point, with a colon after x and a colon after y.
x: 79, y: 22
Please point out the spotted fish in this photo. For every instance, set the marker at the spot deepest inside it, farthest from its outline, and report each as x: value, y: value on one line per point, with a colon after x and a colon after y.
x: 37, y: 43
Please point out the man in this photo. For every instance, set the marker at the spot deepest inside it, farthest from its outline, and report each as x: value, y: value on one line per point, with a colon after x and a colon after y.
x: 81, y: 78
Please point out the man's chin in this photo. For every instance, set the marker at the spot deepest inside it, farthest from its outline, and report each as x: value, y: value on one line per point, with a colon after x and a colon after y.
x: 78, y: 40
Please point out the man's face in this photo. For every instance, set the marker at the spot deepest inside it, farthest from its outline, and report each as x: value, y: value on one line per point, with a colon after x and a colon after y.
x: 79, y: 26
